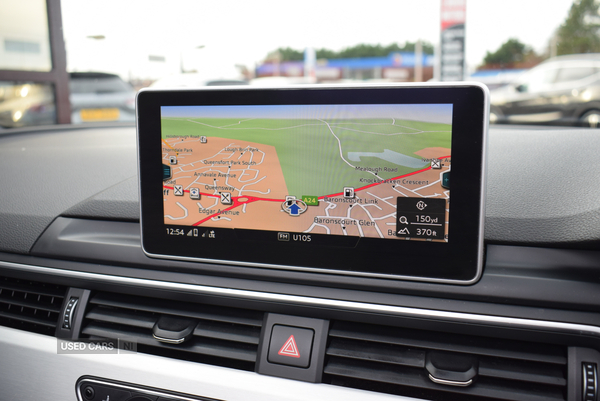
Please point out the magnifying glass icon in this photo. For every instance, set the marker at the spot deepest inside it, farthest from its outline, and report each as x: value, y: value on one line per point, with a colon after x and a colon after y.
x: 403, y: 220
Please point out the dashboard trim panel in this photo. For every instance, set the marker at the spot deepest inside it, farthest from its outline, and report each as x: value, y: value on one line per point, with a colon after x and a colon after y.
x: 500, y: 321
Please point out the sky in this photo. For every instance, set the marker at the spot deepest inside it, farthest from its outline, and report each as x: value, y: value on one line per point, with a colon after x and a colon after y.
x: 441, y: 113
x: 231, y: 32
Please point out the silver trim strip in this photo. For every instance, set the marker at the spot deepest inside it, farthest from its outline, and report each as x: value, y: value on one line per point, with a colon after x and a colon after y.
x: 168, y: 340
x: 316, y: 269
x: 561, y: 327
x: 451, y: 382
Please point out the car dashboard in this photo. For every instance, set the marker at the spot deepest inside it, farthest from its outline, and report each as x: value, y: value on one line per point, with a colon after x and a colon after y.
x: 70, y: 254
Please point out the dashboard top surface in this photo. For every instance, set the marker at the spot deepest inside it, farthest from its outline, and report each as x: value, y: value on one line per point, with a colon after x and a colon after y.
x: 541, y: 183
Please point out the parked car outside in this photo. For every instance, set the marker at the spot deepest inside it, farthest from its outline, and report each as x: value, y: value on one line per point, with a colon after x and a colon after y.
x: 195, y: 80
x: 97, y: 96
x: 563, y: 90
x: 25, y: 104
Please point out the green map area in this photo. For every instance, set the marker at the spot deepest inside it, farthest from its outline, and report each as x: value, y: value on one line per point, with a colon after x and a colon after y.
x: 319, y: 156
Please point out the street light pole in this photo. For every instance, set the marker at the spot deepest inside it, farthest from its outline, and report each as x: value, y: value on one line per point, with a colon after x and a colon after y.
x: 418, y: 61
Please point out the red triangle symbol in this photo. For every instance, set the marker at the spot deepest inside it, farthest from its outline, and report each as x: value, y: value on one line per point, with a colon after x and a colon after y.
x: 290, y: 348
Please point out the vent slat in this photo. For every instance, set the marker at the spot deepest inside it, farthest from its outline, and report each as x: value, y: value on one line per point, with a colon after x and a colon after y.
x: 249, y: 335
x: 124, y: 317
x: 218, y: 330
x: 222, y: 336
x: 392, y: 360
x: 115, y: 332
x: 209, y: 347
x: 377, y: 352
x: 227, y: 315
x: 30, y: 305
x: 451, y: 342
x: 517, y: 370
x: 404, y: 376
x: 376, y: 372
x: 31, y: 287
x: 48, y: 307
x: 30, y: 319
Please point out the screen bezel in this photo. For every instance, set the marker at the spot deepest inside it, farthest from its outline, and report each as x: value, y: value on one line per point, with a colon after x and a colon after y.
x: 458, y: 261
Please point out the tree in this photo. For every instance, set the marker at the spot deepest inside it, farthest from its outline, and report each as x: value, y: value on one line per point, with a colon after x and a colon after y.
x: 364, y: 50
x: 579, y: 32
x: 358, y: 51
x: 326, y: 54
x: 286, y: 54
x: 509, y: 52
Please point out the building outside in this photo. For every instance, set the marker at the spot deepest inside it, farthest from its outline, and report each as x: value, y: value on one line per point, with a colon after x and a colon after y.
x: 397, y: 67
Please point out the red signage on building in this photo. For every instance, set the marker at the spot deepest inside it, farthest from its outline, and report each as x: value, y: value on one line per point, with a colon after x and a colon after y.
x: 452, y: 48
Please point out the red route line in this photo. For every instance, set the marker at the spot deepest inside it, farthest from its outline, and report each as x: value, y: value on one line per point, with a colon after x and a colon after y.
x: 251, y: 199
x: 236, y: 202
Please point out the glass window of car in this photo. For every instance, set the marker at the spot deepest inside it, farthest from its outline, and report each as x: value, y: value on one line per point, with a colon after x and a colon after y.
x: 538, y: 79
x: 568, y: 74
x: 90, y: 83
x: 26, y: 103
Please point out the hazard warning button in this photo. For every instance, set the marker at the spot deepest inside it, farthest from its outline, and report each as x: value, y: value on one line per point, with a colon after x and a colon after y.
x: 291, y: 346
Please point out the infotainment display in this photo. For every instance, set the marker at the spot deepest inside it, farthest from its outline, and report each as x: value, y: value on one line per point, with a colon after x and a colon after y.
x: 342, y: 170
x: 336, y: 180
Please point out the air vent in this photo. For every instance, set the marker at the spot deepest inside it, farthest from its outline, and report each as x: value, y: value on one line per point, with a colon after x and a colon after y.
x: 30, y: 305
x: 393, y: 360
x: 222, y: 336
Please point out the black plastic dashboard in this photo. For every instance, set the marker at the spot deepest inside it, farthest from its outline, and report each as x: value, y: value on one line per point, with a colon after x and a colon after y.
x: 541, y: 183
x: 69, y: 216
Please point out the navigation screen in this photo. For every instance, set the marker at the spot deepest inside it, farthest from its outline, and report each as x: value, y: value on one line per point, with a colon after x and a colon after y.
x: 378, y: 171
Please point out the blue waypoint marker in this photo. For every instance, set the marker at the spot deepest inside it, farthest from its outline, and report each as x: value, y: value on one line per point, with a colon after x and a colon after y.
x: 294, y: 209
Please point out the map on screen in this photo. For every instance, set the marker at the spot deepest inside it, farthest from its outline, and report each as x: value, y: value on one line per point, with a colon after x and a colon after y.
x: 378, y: 171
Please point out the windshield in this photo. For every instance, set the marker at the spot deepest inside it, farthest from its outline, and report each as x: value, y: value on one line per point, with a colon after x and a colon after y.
x: 112, y: 47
